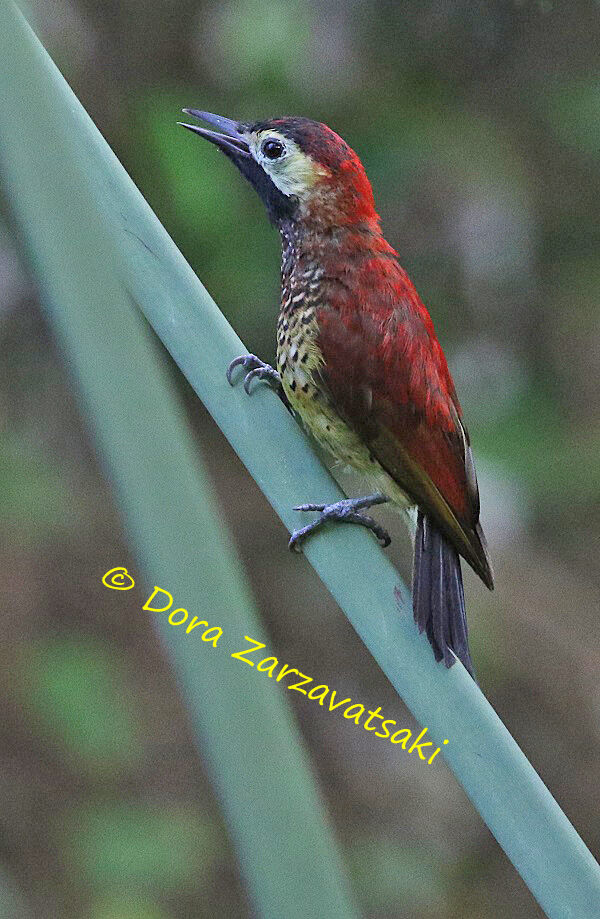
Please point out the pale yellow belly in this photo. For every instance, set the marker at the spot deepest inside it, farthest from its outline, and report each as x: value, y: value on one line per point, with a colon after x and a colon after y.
x: 322, y: 421
x: 298, y: 358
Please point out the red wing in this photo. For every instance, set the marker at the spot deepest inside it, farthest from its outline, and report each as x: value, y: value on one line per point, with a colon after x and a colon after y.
x: 388, y: 378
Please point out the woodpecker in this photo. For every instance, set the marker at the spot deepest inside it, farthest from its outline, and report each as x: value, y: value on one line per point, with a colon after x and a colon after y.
x: 358, y: 360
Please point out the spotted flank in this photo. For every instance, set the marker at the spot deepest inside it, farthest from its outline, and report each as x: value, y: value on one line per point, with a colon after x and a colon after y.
x: 299, y: 362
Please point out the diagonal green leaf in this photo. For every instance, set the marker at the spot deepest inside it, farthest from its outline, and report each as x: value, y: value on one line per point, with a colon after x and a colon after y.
x: 243, y: 725
x: 502, y: 784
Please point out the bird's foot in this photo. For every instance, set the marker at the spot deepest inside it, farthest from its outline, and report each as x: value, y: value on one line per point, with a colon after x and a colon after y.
x: 346, y: 511
x: 256, y: 370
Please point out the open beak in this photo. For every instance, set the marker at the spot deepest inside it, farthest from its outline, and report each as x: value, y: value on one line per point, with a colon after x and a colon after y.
x: 229, y: 137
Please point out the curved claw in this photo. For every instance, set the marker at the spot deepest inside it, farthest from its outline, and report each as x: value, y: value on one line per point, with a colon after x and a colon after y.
x: 244, y: 360
x: 298, y: 536
x: 366, y: 521
x: 266, y: 373
x: 257, y: 369
x: 293, y: 542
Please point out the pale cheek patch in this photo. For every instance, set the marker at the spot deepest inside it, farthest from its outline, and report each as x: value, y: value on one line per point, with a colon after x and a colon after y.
x: 296, y: 174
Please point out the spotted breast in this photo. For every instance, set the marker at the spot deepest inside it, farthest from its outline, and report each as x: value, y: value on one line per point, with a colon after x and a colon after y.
x: 300, y: 361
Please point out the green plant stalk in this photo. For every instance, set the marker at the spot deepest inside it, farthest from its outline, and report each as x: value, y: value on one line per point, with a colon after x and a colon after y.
x: 504, y: 787
x: 13, y: 903
x: 243, y: 723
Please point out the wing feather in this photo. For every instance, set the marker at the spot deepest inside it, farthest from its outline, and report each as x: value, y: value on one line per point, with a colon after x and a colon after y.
x: 388, y: 378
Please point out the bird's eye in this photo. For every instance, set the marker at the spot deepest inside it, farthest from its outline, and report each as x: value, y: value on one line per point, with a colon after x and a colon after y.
x: 273, y: 149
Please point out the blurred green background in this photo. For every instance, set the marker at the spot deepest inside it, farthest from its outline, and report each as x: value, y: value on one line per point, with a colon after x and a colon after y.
x: 479, y: 125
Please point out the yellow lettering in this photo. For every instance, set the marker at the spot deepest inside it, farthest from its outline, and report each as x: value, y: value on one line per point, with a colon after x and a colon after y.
x: 418, y: 746
x: 216, y: 637
x: 337, y: 704
x: 374, y: 714
x: 307, y: 679
x: 434, y: 754
x: 270, y: 668
x: 320, y: 696
x: 355, y: 718
x: 383, y: 726
x: 405, y: 740
x: 154, y: 609
x: 285, y: 669
x: 240, y: 654
x: 195, y: 622
x: 179, y: 610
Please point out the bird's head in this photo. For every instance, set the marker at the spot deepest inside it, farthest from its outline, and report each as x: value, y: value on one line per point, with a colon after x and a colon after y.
x: 302, y: 170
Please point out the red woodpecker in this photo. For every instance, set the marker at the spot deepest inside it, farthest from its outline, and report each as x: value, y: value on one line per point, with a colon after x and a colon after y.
x: 358, y: 360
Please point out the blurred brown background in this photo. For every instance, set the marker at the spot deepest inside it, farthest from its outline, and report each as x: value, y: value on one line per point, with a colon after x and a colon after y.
x: 479, y: 125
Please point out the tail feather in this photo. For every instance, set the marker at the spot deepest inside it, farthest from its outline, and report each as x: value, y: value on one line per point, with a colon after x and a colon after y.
x: 438, y: 597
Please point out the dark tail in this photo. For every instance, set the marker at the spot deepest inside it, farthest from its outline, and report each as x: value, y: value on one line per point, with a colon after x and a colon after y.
x: 438, y: 598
